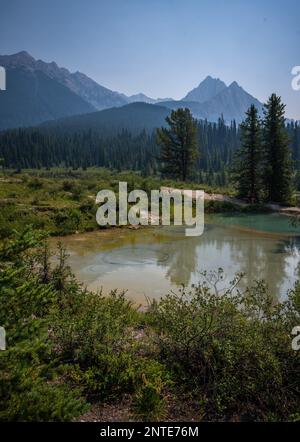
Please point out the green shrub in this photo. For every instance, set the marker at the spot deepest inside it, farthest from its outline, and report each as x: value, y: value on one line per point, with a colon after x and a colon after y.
x: 231, y: 351
x: 67, y: 220
x: 68, y: 186
x: 148, y: 403
x: 95, y: 333
x: 35, y: 184
x: 212, y: 206
x: 152, y: 384
x: 77, y: 193
x: 31, y: 386
x: 88, y: 207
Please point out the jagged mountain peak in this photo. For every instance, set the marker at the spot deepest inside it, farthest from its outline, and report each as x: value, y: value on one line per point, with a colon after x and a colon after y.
x: 231, y: 101
x: 209, y: 78
x: 23, y: 55
x: 235, y: 85
x: 22, y: 58
x: 206, y: 90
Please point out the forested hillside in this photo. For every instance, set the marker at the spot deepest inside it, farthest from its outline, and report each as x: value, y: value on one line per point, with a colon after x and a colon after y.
x: 35, y: 148
x: 134, y: 117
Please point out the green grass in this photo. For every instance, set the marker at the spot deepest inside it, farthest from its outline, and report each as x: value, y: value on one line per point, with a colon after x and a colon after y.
x: 60, y: 201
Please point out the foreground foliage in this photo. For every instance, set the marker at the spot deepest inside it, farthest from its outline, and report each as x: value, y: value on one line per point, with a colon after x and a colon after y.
x: 225, y: 354
x: 62, y: 201
x: 232, y: 351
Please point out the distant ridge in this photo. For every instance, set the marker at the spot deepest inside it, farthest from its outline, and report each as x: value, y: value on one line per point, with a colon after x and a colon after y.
x: 145, y: 99
x: 134, y: 117
x: 38, y: 91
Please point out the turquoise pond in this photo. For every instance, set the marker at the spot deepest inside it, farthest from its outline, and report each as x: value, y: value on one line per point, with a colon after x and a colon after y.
x: 149, y: 262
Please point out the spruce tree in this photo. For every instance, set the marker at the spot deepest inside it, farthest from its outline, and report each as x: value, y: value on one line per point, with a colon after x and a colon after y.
x: 278, y: 165
x: 248, y: 166
x: 178, y: 142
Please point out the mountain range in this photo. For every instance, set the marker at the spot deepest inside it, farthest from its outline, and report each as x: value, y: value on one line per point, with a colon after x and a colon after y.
x: 38, y: 91
x: 215, y: 101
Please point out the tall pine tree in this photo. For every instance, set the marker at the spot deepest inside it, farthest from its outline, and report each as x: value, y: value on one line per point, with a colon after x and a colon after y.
x: 248, y: 166
x: 278, y: 165
x: 178, y: 142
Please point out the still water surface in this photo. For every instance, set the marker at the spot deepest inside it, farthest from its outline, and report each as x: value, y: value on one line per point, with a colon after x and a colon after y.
x: 149, y: 262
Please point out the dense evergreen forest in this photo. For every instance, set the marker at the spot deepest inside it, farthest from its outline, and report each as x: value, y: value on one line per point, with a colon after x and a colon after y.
x: 33, y: 148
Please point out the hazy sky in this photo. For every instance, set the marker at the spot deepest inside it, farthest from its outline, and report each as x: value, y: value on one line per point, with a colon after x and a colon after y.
x: 163, y: 47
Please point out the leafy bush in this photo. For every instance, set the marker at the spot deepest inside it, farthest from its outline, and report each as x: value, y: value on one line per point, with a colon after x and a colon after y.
x: 68, y: 186
x: 88, y: 207
x: 67, y: 220
x: 231, y: 351
x: 152, y: 385
x: 35, y: 184
x: 212, y: 206
x: 30, y: 386
x: 95, y: 333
